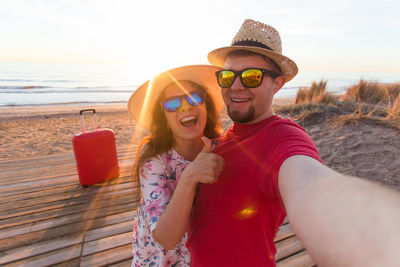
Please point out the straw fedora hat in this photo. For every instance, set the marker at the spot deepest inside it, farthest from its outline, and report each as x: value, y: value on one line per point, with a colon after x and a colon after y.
x: 260, y: 38
x: 142, y: 101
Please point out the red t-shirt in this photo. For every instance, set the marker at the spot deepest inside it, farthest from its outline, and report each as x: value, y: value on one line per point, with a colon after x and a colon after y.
x: 235, y: 220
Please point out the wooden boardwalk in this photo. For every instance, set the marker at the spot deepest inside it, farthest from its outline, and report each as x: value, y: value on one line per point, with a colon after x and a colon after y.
x: 48, y: 219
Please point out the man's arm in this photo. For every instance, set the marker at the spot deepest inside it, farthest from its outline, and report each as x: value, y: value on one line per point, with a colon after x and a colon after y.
x: 341, y: 220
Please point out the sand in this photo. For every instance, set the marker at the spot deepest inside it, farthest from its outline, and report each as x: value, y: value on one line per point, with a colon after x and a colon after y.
x: 366, y: 150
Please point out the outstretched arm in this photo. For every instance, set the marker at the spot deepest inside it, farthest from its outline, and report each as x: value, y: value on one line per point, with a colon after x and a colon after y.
x: 341, y: 220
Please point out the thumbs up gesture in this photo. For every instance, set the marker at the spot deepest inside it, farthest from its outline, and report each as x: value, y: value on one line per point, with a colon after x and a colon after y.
x: 207, y: 144
x: 206, y: 167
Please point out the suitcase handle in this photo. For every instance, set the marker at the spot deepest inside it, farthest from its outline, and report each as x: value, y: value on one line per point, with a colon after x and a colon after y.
x: 83, y: 121
x: 84, y: 110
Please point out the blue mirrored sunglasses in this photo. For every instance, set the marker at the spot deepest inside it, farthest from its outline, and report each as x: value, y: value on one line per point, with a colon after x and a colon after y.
x: 173, y: 103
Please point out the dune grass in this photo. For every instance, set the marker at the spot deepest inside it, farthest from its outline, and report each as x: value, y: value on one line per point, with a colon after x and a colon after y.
x: 394, y: 111
x: 364, y: 101
x: 317, y: 93
x: 372, y: 92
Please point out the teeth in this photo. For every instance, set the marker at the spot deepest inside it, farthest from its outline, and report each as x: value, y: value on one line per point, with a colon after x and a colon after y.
x: 240, y: 100
x: 188, y: 119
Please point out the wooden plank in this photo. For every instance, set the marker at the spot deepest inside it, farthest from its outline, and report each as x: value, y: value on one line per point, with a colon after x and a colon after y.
x: 126, y: 263
x: 285, y: 231
x: 50, y: 258
x: 302, y: 259
x: 66, y: 229
x: 109, y: 230
x: 40, y: 248
x: 11, y: 175
x: 108, y: 257
x: 81, y: 195
x: 107, y: 243
x: 70, y: 263
x: 66, y: 241
x: 288, y: 247
x: 53, y: 181
x: 74, y: 180
x: 28, y: 176
x: 72, y: 208
x: 38, y: 159
x: 61, y: 192
x: 36, y: 162
x: 41, y: 225
x: 34, y: 166
x: 39, y: 177
x: 125, y: 170
x: 58, y: 201
x: 48, y: 171
x: 122, y: 151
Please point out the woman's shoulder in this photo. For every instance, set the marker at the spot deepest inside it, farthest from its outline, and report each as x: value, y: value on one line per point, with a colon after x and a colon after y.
x: 166, y: 158
x: 154, y: 163
x: 172, y: 158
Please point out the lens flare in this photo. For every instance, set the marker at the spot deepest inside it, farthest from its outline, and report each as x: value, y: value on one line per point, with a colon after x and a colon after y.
x: 247, y: 212
x: 179, y: 85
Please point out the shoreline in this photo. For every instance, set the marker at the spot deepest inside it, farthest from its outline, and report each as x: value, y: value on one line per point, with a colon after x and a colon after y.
x: 24, y: 111
x: 13, y: 112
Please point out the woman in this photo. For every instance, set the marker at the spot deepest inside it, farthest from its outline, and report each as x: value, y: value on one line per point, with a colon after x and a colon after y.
x: 178, y: 107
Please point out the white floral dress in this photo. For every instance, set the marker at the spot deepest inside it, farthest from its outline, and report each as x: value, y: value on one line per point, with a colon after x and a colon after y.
x: 158, y: 179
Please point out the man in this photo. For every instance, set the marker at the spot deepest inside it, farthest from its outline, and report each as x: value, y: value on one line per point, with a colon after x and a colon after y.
x: 272, y: 169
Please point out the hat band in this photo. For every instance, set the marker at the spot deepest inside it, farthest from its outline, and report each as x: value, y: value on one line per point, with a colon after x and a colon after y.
x: 251, y: 43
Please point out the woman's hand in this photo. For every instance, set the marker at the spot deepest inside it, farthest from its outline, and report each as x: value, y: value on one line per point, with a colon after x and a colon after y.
x: 206, y: 167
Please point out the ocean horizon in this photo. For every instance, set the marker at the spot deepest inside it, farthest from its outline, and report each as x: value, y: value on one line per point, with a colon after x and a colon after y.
x: 48, y: 84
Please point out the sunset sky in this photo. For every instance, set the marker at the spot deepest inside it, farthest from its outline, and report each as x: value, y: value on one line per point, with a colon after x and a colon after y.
x: 352, y: 35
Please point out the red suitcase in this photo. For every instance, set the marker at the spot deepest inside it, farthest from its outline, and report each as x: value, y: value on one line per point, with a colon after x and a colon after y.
x: 95, y: 154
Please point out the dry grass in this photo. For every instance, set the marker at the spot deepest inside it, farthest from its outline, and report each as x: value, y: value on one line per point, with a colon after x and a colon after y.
x: 365, y: 101
x: 317, y: 93
x: 380, y: 94
x: 359, y: 113
x: 372, y: 92
x: 312, y: 103
x: 393, y: 110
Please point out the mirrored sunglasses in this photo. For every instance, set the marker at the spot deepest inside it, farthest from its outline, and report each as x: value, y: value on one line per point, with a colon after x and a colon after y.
x: 250, y: 78
x: 173, y: 103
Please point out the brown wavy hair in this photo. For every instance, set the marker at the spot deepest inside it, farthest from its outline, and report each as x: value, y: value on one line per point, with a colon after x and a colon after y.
x: 161, y: 138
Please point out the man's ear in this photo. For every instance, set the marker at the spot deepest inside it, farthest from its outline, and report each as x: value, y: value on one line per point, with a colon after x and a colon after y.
x: 279, y: 82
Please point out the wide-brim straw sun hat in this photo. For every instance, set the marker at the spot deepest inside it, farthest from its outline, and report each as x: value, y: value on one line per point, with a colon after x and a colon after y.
x: 259, y: 38
x: 142, y: 101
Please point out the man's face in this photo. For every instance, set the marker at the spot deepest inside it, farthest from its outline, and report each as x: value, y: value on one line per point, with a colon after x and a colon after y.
x: 250, y: 105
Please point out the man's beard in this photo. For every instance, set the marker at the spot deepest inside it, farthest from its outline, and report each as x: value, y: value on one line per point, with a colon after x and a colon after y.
x: 242, y: 117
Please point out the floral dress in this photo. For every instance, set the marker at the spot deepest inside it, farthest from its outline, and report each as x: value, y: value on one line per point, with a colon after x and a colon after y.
x: 158, y: 178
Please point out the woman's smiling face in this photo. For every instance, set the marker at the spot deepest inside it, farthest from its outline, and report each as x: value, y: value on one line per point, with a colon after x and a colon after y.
x: 187, y: 122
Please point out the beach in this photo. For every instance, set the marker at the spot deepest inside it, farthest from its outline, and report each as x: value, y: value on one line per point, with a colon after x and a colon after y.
x: 367, y: 150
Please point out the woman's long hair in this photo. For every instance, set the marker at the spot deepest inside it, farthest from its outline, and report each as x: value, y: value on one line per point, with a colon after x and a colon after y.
x: 161, y: 138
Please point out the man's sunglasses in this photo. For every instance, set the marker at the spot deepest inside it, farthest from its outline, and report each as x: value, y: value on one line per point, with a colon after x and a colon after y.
x: 173, y: 103
x: 250, y: 78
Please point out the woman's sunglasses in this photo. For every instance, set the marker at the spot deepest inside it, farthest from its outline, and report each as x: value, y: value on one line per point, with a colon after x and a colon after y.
x: 173, y: 103
x: 250, y: 78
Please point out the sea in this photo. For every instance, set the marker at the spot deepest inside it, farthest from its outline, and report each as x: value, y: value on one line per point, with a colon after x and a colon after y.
x: 25, y: 84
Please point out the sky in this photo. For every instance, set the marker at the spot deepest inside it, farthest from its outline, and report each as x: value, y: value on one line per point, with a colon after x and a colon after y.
x: 152, y: 35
